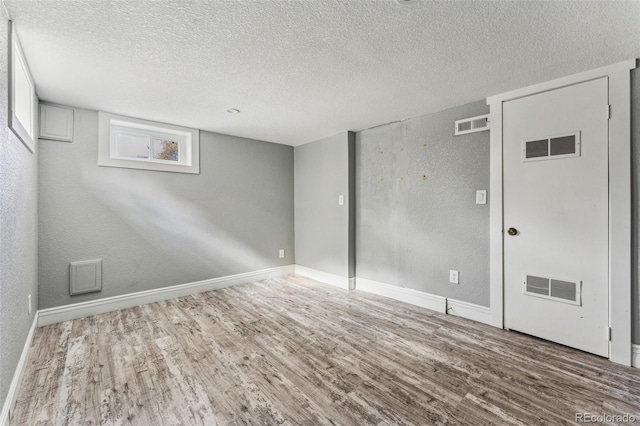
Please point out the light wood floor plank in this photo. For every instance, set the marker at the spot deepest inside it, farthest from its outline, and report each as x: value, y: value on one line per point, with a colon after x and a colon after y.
x: 292, y: 351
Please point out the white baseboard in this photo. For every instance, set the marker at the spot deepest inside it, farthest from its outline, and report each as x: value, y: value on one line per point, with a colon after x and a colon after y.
x: 635, y: 356
x: 469, y: 311
x: 426, y: 300
x: 10, y: 401
x: 108, y: 304
x: 325, y: 277
x: 407, y: 295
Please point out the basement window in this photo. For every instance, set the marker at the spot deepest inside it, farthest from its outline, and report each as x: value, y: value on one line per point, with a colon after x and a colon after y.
x: 140, y: 144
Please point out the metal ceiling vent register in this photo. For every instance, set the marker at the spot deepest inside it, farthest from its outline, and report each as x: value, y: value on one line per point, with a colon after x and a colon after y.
x: 471, y: 125
x: 551, y: 148
x: 553, y: 289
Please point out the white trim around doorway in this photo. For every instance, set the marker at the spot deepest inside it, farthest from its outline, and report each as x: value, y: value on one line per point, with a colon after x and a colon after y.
x: 619, y: 200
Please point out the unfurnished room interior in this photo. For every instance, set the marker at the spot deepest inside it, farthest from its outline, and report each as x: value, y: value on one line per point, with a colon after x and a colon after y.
x: 319, y: 212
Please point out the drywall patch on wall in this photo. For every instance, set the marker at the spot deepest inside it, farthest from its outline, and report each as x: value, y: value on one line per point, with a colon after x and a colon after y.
x: 155, y: 229
x: 416, y: 216
x: 322, y: 230
x: 18, y: 234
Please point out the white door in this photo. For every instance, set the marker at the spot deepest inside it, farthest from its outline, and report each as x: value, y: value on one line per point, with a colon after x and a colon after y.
x: 555, y: 154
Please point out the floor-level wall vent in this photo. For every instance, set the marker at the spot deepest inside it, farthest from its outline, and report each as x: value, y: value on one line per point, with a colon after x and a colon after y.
x: 85, y: 276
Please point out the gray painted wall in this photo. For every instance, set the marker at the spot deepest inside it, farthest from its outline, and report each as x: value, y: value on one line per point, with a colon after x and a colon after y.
x: 409, y: 231
x: 416, y: 216
x: 322, y: 229
x: 18, y: 234
x: 156, y: 229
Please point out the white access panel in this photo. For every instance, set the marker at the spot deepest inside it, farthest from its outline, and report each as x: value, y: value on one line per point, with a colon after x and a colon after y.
x: 556, y: 217
x: 56, y: 123
x: 85, y: 276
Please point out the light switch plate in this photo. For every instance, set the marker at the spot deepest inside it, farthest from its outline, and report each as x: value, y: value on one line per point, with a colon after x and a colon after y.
x: 341, y: 200
x: 481, y: 196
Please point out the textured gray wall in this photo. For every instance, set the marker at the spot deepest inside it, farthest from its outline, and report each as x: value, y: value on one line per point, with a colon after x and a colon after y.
x: 156, y: 229
x: 322, y: 226
x: 18, y: 234
x: 416, y: 216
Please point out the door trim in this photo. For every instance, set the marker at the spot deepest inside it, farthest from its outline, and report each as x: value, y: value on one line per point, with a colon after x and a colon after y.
x: 619, y: 199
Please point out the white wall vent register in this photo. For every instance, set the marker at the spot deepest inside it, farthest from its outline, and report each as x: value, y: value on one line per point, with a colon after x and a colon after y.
x: 471, y: 125
x: 553, y: 289
x: 140, y: 144
x: 85, y: 276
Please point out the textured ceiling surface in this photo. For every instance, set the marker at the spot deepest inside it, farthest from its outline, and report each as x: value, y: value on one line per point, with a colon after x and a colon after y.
x: 302, y: 70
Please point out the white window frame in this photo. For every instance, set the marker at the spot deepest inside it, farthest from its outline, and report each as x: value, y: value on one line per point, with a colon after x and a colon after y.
x: 188, y: 141
x: 23, y: 126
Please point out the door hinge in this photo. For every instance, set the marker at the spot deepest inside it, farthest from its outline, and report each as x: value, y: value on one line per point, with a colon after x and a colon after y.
x: 609, y: 333
x: 608, y: 112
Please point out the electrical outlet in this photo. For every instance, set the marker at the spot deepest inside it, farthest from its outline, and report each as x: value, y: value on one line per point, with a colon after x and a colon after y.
x: 281, y: 254
x: 29, y: 299
x: 341, y: 200
x: 453, y: 277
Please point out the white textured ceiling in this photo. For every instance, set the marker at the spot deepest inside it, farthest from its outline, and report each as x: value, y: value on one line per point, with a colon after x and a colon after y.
x: 302, y: 70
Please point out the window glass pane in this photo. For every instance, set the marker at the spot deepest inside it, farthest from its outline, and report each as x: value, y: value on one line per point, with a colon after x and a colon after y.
x: 23, y: 96
x: 166, y: 149
x: 132, y: 145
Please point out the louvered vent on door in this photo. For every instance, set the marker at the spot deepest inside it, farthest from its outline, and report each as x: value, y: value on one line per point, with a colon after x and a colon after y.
x: 563, y: 145
x: 537, y: 285
x: 536, y: 149
x: 473, y: 124
x: 552, y: 289
x: 554, y: 147
x: 563, y: 290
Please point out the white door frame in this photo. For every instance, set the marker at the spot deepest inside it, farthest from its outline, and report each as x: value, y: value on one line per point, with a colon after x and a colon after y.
x: 619, y: 200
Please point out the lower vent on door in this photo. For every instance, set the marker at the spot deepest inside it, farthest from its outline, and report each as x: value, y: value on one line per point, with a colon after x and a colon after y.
x: 552, y: 289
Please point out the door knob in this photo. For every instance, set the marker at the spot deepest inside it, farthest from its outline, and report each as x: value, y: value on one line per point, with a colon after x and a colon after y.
x: 512, y: 231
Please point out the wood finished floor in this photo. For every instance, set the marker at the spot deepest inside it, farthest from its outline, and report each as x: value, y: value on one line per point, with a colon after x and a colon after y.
x: 293, y: 351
